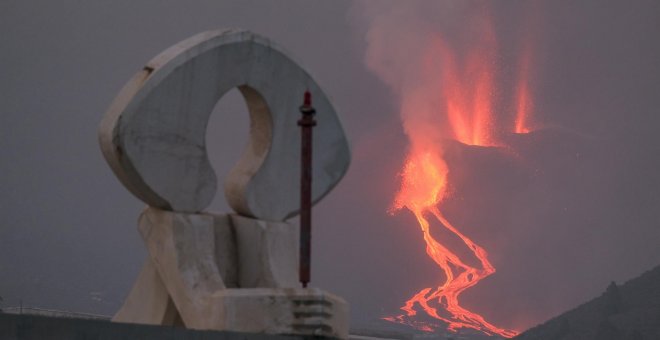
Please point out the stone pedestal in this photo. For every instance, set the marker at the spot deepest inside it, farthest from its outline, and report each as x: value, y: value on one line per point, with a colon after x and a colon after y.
x: 190, y: 255
x: 307, y: 311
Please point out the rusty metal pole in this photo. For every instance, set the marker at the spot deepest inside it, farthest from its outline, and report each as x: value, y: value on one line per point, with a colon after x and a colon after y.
x: 306, y: 123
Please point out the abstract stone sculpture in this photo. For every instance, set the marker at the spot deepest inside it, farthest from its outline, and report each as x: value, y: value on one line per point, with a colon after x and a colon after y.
x: 153, y: 135
x: 223, y: 271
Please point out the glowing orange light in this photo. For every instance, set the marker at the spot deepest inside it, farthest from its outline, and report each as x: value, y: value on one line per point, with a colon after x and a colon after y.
x: 523, y: 97
x: 423, y: 186
x: 466, y: 102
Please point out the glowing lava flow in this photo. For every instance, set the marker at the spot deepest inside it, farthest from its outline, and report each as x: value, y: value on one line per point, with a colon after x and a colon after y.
x: 463, y: 95
x: 424, y: 185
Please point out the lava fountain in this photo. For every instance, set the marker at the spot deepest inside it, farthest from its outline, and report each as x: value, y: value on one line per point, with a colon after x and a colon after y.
x: 457, y: 95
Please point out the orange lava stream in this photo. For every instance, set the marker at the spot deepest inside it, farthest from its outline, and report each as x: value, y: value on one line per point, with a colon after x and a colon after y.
x: 424, y: 183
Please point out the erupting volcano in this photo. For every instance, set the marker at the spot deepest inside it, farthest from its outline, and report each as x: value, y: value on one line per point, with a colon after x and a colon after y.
x: 454, y: 100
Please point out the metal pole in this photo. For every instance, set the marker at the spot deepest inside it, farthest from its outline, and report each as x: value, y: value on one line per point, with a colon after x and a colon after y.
x: 306, y: 123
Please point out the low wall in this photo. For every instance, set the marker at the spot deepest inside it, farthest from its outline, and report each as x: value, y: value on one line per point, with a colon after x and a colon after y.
x: 28, y: 327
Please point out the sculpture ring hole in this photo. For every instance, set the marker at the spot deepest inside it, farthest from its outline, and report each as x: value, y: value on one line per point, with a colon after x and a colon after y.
x: 238, y: 137
x: 227, y: 135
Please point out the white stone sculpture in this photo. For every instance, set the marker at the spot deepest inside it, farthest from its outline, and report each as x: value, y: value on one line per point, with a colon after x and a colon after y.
x: 223, y: 271
x: 153, y: 135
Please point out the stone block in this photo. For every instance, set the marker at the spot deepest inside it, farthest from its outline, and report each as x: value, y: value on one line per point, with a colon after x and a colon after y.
x: 183, y: 250
x: 308, y: 311
x: 268, y: 253
x: 148, y: 302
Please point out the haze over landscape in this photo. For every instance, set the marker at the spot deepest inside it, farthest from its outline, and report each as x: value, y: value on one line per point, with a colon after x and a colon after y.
x: 561, y: 210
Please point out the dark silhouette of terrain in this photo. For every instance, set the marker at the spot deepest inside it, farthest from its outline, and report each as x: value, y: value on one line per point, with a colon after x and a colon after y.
x: 627, y: 312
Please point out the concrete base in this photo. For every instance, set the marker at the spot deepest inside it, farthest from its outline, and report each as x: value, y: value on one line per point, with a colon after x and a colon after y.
x: 183, y: 281
x: 298, y: 311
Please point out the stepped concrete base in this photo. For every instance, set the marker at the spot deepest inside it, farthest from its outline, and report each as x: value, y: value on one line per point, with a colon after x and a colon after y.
x: 310, y: 312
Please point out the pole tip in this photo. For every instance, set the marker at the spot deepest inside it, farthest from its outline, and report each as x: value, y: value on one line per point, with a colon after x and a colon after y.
x: 308, y: 99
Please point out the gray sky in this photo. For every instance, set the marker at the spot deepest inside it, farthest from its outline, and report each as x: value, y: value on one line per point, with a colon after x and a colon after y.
x: 578, y: 207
